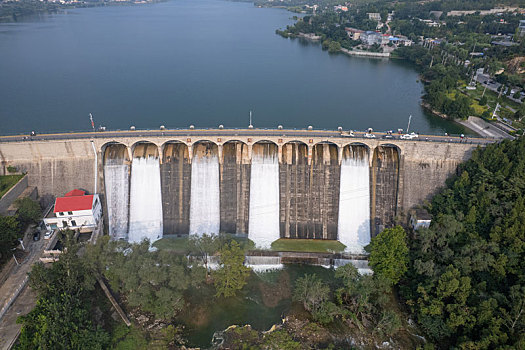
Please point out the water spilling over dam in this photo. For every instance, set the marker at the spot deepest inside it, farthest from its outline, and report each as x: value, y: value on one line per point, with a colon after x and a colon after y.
x: 145, y: 201
x: 354, y: 199
x: 205, y: 197
x: 316, y: 192
x: 310, y: 186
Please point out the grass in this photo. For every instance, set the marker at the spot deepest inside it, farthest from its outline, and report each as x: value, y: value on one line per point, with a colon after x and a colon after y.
x: 307, y: 245
x: 8, y: 181
x: 173, y: 244
x: 181, y: 244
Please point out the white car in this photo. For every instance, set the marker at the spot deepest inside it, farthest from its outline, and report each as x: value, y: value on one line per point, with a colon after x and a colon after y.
x: 48, y: 234
x: 370, y: 136
x: 410, y: 136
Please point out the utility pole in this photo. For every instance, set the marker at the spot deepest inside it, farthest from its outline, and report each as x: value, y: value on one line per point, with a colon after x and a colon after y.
x: 250, y: 126
x: 409, y: 119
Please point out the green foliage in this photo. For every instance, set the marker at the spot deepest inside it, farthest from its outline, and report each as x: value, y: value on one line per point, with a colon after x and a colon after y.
x: 9, y: 232
x: 11, y: 169
x: 153, y: 281
x: 29, y: 211
x: 61, y: 318
x: 8, y: 181
x: 389, y: 254
x: 204, y: 246
x: 280, y: 340
x: 232, y: 275
x: 128, y: 338
x: 363, y: 301
x: 483, y: 101
x: 466, y: 282
x: 311, y: 292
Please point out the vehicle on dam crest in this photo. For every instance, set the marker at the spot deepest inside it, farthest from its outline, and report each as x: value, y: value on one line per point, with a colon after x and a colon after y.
x: 410, y: 136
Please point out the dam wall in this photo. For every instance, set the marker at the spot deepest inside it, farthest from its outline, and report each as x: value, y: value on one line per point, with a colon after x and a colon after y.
x: 311, y: 187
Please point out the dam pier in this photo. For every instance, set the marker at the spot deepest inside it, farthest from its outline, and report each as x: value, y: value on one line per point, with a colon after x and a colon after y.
x: 268, y: 184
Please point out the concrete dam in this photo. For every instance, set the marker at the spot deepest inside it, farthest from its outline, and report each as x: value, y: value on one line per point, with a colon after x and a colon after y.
x: 263, y: 183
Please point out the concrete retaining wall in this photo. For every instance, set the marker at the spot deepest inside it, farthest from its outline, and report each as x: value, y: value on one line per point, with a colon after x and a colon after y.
x: 13, y: 193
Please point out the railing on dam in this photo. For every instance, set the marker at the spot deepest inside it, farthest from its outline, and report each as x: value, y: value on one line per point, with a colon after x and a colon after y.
x: 227, y: 132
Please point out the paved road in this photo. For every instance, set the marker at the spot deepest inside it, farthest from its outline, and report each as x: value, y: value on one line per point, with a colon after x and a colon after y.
x: 25, y: 300
x: 231, y: 133
x: 9, y: 329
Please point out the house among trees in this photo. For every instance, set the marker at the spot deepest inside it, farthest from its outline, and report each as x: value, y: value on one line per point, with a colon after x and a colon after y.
x: 420, y: 218
x: 76, y: 210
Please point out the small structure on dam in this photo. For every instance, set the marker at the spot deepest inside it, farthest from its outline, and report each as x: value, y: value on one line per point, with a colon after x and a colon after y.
x: 267, y: 184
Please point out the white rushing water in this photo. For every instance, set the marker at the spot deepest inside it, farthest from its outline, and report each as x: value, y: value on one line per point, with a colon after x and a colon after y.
x: 116, y: 178
x: 145, y: 212
x: 264, y: 200
x: 205, y: 214
x: 354, y: 204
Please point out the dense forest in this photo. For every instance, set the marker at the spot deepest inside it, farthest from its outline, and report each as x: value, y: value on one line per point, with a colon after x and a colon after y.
x: 466, y: 282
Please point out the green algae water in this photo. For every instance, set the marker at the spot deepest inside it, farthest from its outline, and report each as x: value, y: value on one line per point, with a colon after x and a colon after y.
x: 262, y: 303
x: 200, y: 62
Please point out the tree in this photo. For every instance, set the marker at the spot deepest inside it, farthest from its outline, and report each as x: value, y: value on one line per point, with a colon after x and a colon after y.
x: 204, y: 246
x: 232, y: 275
x: 153, y: 281
x: 62, y: 316
x: 9, y: 233
x: 311, y: 292
x: 483, y: 101
x: 389, y: 254
x: 29, y: 211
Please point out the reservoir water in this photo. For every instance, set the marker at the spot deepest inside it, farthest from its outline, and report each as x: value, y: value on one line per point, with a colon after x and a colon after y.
x: 201, y: 62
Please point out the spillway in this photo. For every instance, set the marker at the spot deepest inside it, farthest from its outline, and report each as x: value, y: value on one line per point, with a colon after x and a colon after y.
x: 145, y: 215
x: 175, y: 179
x: 116, y: 182
x: 324, y: 192
x: 264, y: 195
x: 205, y: 192
x: 234, y: 187
x: 385, y: 185
x: 354, y: 199
x: 294, y: 182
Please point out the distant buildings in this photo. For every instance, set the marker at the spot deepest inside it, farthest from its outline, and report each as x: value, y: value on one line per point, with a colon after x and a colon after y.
x: 370, y: 38
x: 375, y: 16
x: 353, y: 33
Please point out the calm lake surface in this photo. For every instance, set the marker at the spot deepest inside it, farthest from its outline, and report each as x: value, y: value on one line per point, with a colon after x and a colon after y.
x: 201, y: 62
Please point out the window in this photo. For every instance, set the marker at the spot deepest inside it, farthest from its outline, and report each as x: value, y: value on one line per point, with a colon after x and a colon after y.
x: 73, y: 223
x: 61, y: 214
x: 69, y: 213
x: 64, y: 223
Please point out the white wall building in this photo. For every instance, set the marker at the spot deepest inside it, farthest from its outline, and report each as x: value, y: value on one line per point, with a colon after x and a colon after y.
x: 76, y: 210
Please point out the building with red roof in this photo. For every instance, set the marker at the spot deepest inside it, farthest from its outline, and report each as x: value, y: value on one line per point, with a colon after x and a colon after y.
x: 76, y: 210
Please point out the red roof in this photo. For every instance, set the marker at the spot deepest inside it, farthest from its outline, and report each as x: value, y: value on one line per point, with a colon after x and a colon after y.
x: 73, y: 203
x: 75, y: 193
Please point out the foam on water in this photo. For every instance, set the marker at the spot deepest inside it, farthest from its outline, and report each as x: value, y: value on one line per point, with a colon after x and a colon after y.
x: 145, y: 214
